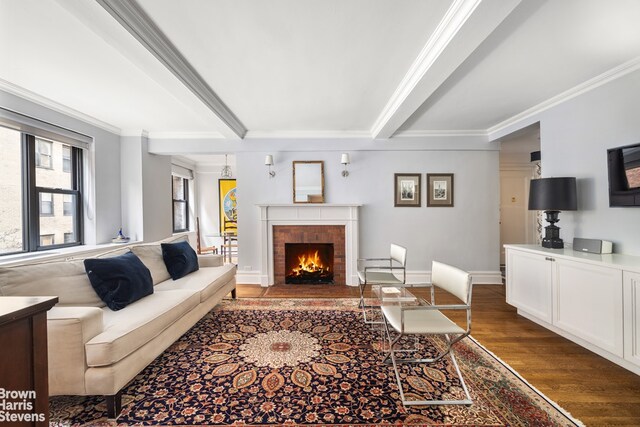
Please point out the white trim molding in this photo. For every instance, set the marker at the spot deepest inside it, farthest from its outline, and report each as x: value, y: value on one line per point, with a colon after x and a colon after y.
x: 56, y: 106
x: 136, y: 21
x: 442, y: 133
x: 307, y: 134
x: 465, y: 25
x: 496, y: 131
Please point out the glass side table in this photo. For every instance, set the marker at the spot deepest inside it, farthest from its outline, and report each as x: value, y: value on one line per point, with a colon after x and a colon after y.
x: 387, y: 295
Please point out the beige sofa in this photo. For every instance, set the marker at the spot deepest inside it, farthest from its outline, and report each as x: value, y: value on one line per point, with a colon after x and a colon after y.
x: 96, y: 351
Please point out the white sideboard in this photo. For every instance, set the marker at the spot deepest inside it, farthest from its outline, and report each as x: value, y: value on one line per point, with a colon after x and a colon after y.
x: 593, y: 300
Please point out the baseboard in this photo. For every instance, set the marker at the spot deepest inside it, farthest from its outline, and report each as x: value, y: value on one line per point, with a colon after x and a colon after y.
x: 415, y: 277
x: 248, y: 277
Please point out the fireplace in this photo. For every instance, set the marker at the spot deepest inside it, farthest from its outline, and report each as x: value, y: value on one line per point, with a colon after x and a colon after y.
x: 291, y: 242
x: 308, y: 263
x: 309, y: 223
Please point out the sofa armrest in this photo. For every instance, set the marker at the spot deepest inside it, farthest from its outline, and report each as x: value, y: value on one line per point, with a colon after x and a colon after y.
x: 210, y: 260
x: 68, y: 330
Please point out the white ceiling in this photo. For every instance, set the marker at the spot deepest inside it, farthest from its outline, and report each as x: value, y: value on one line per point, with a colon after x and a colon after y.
x: 314, y: 66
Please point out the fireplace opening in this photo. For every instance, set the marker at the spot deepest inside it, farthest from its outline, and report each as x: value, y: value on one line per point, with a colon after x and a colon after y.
x: 308, y: 263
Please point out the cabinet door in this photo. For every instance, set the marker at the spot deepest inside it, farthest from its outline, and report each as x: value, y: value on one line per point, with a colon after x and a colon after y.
x: 632, y: 317
x: 588, y: 303
x: 529, y: 283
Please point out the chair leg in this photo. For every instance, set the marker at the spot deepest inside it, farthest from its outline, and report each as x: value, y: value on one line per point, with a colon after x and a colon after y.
x: 395, y: 362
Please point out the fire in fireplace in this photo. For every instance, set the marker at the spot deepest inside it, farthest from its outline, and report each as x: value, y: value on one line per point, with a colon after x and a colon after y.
x: 308, y: 263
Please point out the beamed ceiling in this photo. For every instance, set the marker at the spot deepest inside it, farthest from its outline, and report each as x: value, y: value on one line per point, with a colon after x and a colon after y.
x: 235, y: 69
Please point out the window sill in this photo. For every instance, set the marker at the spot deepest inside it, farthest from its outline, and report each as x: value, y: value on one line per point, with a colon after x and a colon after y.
x: 58, y: 254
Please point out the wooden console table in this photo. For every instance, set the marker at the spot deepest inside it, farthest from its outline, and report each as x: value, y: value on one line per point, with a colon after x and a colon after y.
x: 23, y: 357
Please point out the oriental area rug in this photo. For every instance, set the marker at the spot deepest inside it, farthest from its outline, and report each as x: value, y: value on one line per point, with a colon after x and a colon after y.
x: 275, y: 362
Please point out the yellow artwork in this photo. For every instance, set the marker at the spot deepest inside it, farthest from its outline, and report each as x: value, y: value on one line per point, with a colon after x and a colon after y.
x: 228, y: 204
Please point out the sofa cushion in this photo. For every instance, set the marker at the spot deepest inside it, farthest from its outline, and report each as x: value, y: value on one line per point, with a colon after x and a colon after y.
x: 119, y: 280
x: 128, y: 329
x: 180, y: 259
x: 151, y: 256
x: 65, y: 279
x: 206, y: 281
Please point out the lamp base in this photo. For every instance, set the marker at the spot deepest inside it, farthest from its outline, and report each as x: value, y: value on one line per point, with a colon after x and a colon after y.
x: 552, y: 232
x: 553, y: 243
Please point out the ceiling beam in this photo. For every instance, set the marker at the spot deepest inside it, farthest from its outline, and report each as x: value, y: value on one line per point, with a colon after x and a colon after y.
x: 464, y: 27
x: 136, y: 21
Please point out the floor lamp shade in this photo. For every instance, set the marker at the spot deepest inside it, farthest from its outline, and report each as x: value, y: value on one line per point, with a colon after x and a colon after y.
x: 553, y: 195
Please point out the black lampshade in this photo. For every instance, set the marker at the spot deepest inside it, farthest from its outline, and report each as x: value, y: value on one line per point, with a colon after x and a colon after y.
x: 553, y: 194
x: 536, y: 156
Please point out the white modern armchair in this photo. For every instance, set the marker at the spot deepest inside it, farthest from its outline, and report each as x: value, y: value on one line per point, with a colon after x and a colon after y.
x: 428, y: 319
x: 381, y: 271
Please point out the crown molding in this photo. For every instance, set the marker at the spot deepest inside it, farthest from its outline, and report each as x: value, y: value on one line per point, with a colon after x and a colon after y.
x: 56, y: 106
x: 451, y: 23
x: 440, y: 133
x: 303, y: 134
x: 186, y: 135
x: 135, y: 20
x: 135, y: 133
x: 589, y: 85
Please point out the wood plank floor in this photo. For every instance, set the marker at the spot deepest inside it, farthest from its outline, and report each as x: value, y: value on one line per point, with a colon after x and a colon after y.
x: 591, y: 388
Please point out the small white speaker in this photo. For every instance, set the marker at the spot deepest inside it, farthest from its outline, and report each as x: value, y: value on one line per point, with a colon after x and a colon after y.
x: 593, y: 246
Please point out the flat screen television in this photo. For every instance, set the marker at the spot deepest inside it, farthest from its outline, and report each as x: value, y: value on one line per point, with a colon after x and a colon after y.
x: 624, y: 175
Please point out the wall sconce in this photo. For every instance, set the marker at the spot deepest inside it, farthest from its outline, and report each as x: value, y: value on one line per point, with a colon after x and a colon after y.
x: 268, y: 161
x: 344, y: 159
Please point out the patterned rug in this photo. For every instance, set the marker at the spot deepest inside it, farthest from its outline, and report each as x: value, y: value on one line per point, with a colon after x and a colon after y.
x: 309, y: 362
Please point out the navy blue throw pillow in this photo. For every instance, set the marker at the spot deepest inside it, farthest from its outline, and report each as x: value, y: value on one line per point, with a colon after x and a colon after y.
x: 119, y: 280
x: 180, y: 259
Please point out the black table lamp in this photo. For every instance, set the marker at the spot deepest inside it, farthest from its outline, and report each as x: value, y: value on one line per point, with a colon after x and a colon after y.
x: 553, y: 195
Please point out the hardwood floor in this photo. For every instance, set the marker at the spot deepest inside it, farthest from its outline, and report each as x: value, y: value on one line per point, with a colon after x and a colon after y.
x: 594, y: 390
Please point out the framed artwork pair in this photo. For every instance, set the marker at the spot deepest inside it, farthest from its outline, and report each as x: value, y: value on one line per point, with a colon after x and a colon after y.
x: 408, y: 190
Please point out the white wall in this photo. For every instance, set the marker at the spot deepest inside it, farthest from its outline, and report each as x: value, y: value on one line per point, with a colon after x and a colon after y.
x: 465, y: 235
x: 574, y: 137
x: 146, y: 191
x: 102, y: 222
x: 131, y: 187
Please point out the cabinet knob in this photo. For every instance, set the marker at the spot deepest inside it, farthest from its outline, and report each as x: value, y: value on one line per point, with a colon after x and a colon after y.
x: 549, y: 259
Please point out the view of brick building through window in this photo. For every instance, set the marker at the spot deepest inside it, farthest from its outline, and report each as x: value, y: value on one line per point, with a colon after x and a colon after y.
x: 56, y: 211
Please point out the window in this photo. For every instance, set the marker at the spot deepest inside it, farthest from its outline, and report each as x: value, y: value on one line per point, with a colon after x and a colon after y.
x: 67, y: 204
x: 46, y: 204
x: 66, y: 158
x: 43, y: 154
x: 47, y: 239
x: 40, y: 206
x: 180, y: 191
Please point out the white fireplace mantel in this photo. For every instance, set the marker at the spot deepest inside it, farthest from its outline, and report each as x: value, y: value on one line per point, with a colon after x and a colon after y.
x: 309, y: 214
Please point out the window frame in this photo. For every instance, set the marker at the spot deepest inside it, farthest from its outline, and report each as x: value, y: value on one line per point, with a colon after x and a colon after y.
x: 185, y: 201
x: 31, y: 197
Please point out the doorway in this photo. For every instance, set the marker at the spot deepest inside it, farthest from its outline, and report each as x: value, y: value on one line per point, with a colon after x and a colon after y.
x: 518, y: 225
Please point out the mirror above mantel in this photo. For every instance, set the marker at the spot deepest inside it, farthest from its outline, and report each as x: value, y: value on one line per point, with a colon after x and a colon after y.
x: 308, y: 181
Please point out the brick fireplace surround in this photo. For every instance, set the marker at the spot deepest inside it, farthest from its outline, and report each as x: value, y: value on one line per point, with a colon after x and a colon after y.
x: 309, y: 234
x: 309, y: 223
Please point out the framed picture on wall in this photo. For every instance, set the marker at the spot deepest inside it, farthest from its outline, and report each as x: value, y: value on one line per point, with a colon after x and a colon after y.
x: 407, y: 190
x: 440, y: 190
x: 228, y: 205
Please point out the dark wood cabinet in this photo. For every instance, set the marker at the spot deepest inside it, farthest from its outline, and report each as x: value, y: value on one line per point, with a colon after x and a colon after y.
x: 24, y: 382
